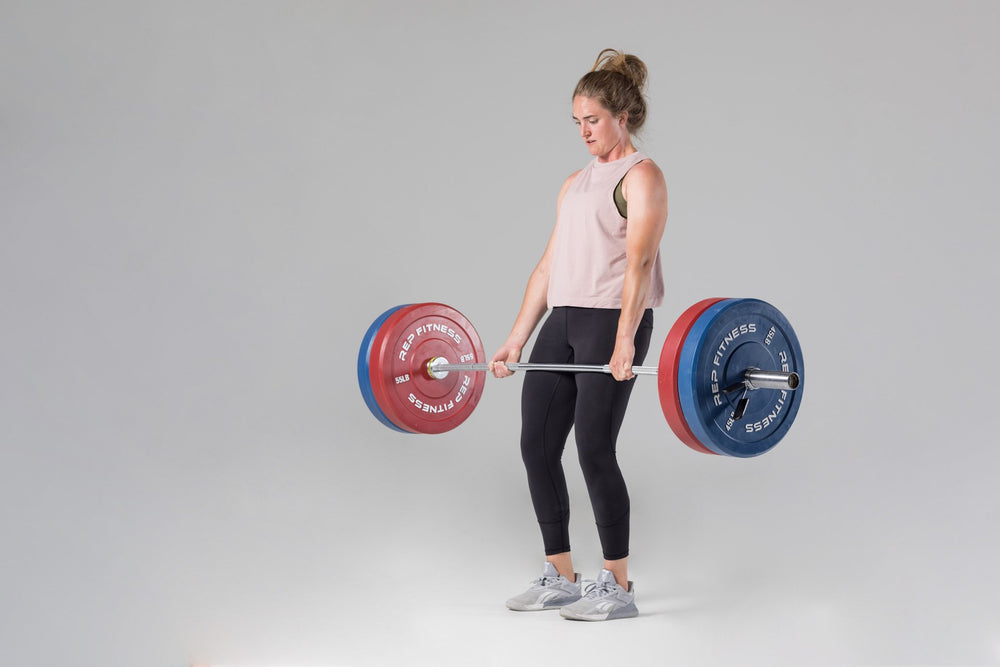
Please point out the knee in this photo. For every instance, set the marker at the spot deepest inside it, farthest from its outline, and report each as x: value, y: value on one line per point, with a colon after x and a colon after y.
x: 597, y: 457
x: 533, y: 451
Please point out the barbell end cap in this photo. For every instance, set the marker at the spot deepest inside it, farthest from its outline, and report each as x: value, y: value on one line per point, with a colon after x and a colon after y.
x: 432, y: 372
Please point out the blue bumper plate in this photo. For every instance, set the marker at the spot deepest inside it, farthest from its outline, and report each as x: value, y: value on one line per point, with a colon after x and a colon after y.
x: 364, y: 377
x: 730, y: 337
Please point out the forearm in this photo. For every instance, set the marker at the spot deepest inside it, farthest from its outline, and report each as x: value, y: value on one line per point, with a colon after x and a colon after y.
x: 635, y: 291
x: 533, y: 308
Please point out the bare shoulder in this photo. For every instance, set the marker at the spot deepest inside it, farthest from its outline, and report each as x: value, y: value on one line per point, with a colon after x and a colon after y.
x: 644, y: 181
x: 647, y: 173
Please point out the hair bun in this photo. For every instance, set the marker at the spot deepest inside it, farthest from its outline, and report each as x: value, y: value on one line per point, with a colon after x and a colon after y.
x: 626, y: 64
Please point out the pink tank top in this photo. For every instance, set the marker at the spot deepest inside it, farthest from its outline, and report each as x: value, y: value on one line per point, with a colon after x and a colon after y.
x: 588, y: 260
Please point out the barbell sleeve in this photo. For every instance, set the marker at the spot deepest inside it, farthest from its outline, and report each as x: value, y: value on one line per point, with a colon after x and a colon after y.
x: 758, y: 379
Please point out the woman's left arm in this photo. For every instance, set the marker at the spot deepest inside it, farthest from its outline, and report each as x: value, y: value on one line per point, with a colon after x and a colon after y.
x: 645, y: 191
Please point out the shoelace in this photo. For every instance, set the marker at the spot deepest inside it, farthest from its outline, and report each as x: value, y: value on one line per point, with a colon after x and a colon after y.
x: 545, y: 581
x: 599, y: 589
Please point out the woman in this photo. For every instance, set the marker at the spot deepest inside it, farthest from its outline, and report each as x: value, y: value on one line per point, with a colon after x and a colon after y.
x: 601, y: 276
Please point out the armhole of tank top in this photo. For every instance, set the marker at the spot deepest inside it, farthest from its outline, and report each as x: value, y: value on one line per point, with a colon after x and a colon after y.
x: 620, y: 202
x: 619, y: 195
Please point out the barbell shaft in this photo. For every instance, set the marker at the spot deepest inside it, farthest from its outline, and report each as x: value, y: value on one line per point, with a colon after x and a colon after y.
x: 754, y: 378
x: 434, y: 366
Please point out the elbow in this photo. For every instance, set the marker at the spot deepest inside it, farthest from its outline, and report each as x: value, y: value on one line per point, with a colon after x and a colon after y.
x: 541, y: 273
x: 641, y: 262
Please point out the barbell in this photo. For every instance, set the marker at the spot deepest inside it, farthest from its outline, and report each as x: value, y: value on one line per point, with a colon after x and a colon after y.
x: 729, y: 375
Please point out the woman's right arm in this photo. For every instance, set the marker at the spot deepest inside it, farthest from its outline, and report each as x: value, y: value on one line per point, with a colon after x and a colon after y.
x: 533, y: 306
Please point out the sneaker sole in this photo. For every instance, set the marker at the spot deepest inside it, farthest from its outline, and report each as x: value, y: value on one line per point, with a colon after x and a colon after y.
x: 541, y: 607
x: 628, y: 611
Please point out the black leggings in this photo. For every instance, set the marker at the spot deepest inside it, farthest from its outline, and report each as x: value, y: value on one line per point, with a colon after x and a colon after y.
x: 552, y: 403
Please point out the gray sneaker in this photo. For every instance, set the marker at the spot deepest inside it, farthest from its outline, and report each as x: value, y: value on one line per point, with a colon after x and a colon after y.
x: 604, y: 600
x: 549, y: 591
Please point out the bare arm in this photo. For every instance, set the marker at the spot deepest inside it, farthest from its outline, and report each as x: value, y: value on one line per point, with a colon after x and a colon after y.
x: 646, y: 192
x: 533, y: 306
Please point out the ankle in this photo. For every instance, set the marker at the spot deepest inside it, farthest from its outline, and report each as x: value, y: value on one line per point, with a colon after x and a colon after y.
x: 619, y: 568
x: 564, y: 565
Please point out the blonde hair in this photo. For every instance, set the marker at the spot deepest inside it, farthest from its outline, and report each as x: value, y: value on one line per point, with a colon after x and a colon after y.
x: 617, y: 82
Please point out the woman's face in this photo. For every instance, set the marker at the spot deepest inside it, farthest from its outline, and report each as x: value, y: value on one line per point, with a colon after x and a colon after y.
x: 602, y: 132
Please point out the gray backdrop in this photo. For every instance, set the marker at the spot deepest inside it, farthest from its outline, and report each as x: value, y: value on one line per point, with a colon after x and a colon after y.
x: 204, y: 204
